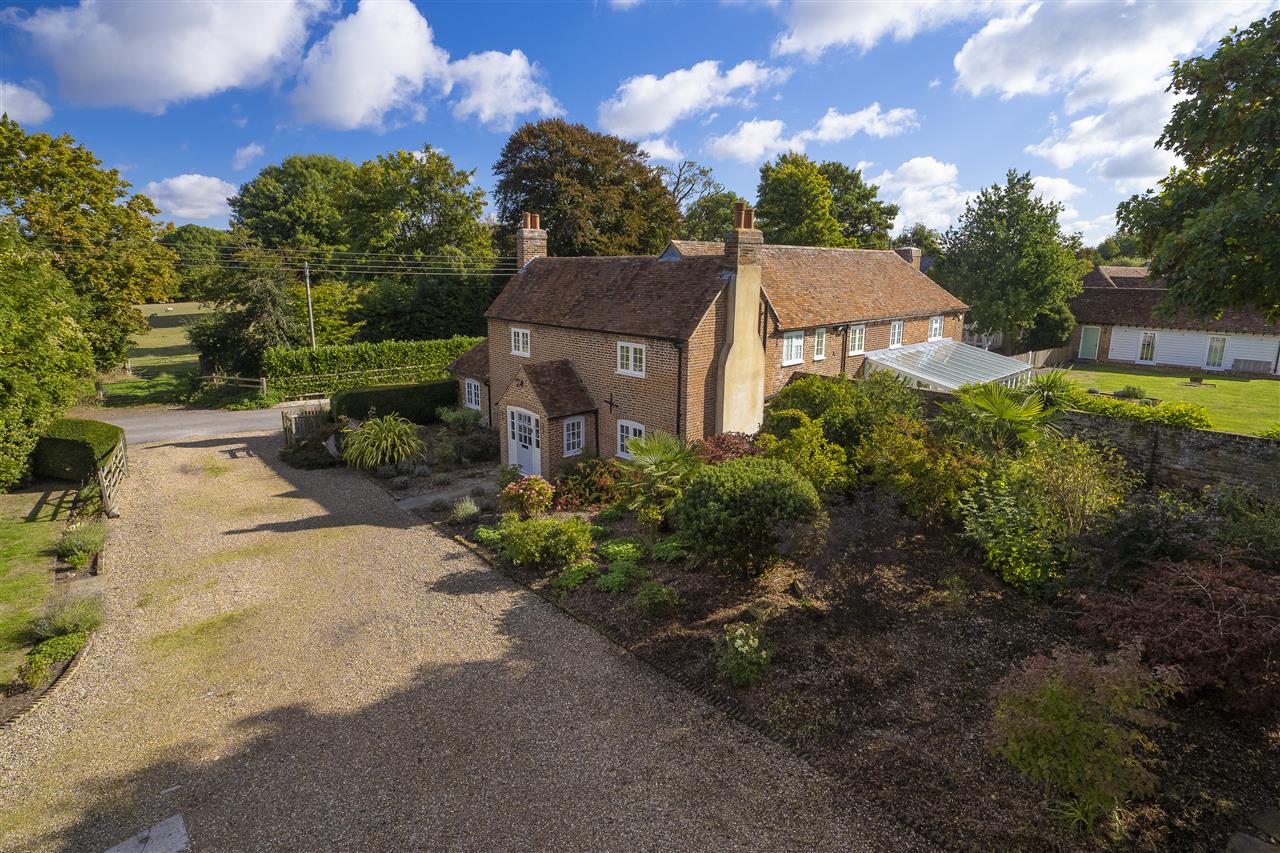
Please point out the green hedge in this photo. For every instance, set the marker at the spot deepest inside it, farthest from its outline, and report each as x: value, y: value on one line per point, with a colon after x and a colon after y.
x: 72, y: 448
x: 418, y: 403
x: 1169, y: 412
x: 292, y: 372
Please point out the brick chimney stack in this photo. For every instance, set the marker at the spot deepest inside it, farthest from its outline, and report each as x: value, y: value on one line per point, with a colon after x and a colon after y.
x: 744, y: 240
x: 910, y: 254
x: 531, y: 240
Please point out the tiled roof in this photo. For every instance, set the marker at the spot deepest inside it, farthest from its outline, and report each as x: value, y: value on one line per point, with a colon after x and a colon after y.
x: 1121, y: 277
x: 558, y: 387
x: 474, y: 362
x: 1109, y: 305
x: 647, y: 296
x: 695, y: 248
x: 810, y: 286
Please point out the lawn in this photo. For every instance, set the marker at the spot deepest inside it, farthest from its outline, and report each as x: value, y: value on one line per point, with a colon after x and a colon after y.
x: 30, y: 521
x: 1236, y: 404
x: 162, y: 359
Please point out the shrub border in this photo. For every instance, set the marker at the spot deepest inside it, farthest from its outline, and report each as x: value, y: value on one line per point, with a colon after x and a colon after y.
x: 67, y: 672
x: 728, y: 706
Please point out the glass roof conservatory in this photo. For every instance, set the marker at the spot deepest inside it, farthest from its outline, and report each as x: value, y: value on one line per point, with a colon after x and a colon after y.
x: 946, y: 365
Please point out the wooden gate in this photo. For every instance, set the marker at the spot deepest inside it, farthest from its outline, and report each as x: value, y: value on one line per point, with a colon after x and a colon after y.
x: 110, y: 474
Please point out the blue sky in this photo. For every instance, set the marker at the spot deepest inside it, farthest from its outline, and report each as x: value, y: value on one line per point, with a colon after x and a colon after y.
x: 934, y: 99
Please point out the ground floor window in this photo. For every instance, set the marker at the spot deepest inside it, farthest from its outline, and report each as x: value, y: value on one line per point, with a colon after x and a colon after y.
x: 471, y: 394
x: 628, y: 430
x: 573, y: 433
x: 1147, y: 349
x: 1217, y: 349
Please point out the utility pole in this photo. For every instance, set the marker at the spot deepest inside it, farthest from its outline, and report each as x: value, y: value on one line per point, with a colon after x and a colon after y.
x: 311, y: 314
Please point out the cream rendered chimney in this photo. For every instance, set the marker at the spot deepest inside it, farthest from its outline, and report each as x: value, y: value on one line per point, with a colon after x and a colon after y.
x: 740, y: 380
x: 910, y: 254
x: 531, y: 240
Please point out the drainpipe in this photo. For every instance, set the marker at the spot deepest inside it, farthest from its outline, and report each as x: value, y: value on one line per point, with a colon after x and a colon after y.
x: 676, y: 345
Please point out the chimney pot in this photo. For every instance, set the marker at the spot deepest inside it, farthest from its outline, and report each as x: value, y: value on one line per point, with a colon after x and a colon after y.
x: 748, y: 217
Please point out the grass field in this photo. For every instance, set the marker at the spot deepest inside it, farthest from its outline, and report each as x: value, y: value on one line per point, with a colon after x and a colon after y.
x: 29, y: 526
x: 1236, y: 404
x: 162, y: 359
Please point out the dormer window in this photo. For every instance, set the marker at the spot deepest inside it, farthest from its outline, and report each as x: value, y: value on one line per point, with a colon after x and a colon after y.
x: 935, y: 328
x: 520, y: 342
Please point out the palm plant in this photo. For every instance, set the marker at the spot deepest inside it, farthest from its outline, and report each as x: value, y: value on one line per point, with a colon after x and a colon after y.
x: 390, y: 441
x: 995, y: 416
x: 665, y: 464
x: 1054, y: 389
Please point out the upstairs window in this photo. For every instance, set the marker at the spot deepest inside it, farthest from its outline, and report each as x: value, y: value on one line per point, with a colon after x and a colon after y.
x: 573, y: 436
x: 857, y: 340
x: 935, y: 328
x: 792, y: 348
x: 895, y: 334
x: 520, y: 342
x: 628, y: 430
x: 819, y: 344
x: 631, y: 359
x: 471, y: 394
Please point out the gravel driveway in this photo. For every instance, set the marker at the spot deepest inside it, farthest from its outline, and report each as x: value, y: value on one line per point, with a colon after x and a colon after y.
x: 292, y: 662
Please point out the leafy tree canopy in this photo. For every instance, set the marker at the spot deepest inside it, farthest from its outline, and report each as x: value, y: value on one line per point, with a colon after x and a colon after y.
x: 794, y: 204
x: 865, y: 220
x: 710, y: 217
x: 45, y: 358
x: 689, y: 182
x: 596, y: 193
x: 297, y: 203
x: 1007, y: 257
x: 198, y: 249
x: 924, y: 238
x: 1213, y: 229
x: 100, y: 236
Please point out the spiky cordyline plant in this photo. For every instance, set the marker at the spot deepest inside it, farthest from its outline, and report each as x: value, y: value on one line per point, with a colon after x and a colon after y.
x: 380, y: 442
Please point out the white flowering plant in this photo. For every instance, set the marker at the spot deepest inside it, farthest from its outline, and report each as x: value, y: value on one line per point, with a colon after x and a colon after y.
x: 745, y: 655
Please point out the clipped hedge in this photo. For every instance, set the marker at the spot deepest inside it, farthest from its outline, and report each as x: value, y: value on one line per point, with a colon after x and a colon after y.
x: 1169, y: 413
x: 292, y: 372
x: 417, y: 402
x: 72, y: 448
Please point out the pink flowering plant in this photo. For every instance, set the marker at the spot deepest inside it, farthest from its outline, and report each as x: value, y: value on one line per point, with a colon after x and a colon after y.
x: 529, y: 496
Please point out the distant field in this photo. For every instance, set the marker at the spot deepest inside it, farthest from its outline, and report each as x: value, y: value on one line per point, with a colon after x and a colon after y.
x: 162, y: 359
x: 1236, y: 404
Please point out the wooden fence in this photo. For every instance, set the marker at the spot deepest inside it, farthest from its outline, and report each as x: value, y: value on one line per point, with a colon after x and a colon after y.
x: 259, y: 382
x: 110, y: 474
x: 298, y: 425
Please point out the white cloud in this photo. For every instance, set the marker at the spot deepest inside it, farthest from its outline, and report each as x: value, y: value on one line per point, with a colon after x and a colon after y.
x: 814, y: 27
x: 1093, y: 231
x: 23, y: 105
x: 753, y: 141
x: 935, y: 83
x: 623, y: 5
x: 661, y: 148
x: 647, y: 104
x: 499, y: 87
x: 835, y: 126
x: 1061, y: 191
x: 246, y: 154
x: 1114, y: 61
x: 192, y: 196
x: 373, y: 62
x: 147, y: 55
x: 925, y: 190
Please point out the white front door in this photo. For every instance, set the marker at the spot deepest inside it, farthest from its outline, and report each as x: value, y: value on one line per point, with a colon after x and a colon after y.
x: 524, y: 440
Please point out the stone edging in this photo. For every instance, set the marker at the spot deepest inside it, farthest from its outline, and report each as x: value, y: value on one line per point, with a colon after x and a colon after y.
x: 63, y: 677
x: 728, y: 707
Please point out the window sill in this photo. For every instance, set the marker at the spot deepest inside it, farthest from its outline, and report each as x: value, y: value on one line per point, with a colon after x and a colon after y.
x: 792, y: 363
x: 819, y: 358
x: 858, y: 352
x: 895, y: 346
x: 569, y: 453
x: 521, y: 354
x: 630, y: 373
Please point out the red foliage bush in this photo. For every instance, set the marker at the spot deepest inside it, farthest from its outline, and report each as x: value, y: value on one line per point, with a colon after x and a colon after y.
x: 725, y: 446
x: 593, y: 483
x: 1218, y: 622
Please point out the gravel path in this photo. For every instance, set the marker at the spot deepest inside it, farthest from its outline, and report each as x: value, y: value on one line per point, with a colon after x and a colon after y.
x: 292, y: 662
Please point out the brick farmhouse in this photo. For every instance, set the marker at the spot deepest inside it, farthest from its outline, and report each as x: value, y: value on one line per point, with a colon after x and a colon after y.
x: 583, y: 354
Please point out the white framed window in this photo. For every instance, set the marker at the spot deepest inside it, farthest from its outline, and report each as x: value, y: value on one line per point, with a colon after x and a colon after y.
x: 1147, y: 348
x: 792, y: 348
x: 857, y: 340
x: 471, y: 394
x: 631, y: 359
x: 935, y: 328
x: 819, y: 344
x: 573, y: 441
x: 520, y: 342
x: 628, y: 430
x: 895, y: 334
x: 1217, y: 349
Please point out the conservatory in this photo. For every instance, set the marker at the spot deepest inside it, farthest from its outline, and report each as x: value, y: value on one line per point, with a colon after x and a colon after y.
x: 946, y: 365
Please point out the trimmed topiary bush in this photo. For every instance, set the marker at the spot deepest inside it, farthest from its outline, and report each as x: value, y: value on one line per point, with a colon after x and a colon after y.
x: 294, y: 371
x: 418, y: 403
x: 740, y: 514
x: 73, y: 448
x: 1168, y: 413
x: 543, y: 542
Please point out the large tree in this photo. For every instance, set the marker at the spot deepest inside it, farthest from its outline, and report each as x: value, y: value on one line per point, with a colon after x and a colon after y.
x: 98, y: 234
x: 688, y: 182
x: 596, y: 194
x: 45, y: 359
x: 1008, y: 258
x: 710, y: 217
x: 1213, y: 229
x: 200, y: 250
x: 924, y: 238
x: 865, y: 220
x: 297, y: 204
x: 794, y: 202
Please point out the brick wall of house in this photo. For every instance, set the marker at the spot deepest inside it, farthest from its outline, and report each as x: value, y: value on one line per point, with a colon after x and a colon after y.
x: 485, y: 408
x: 650, y: 401
x: 701, y: 375
x: 915, y: 330
x: 522, y: 397
x: 553, y: 443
